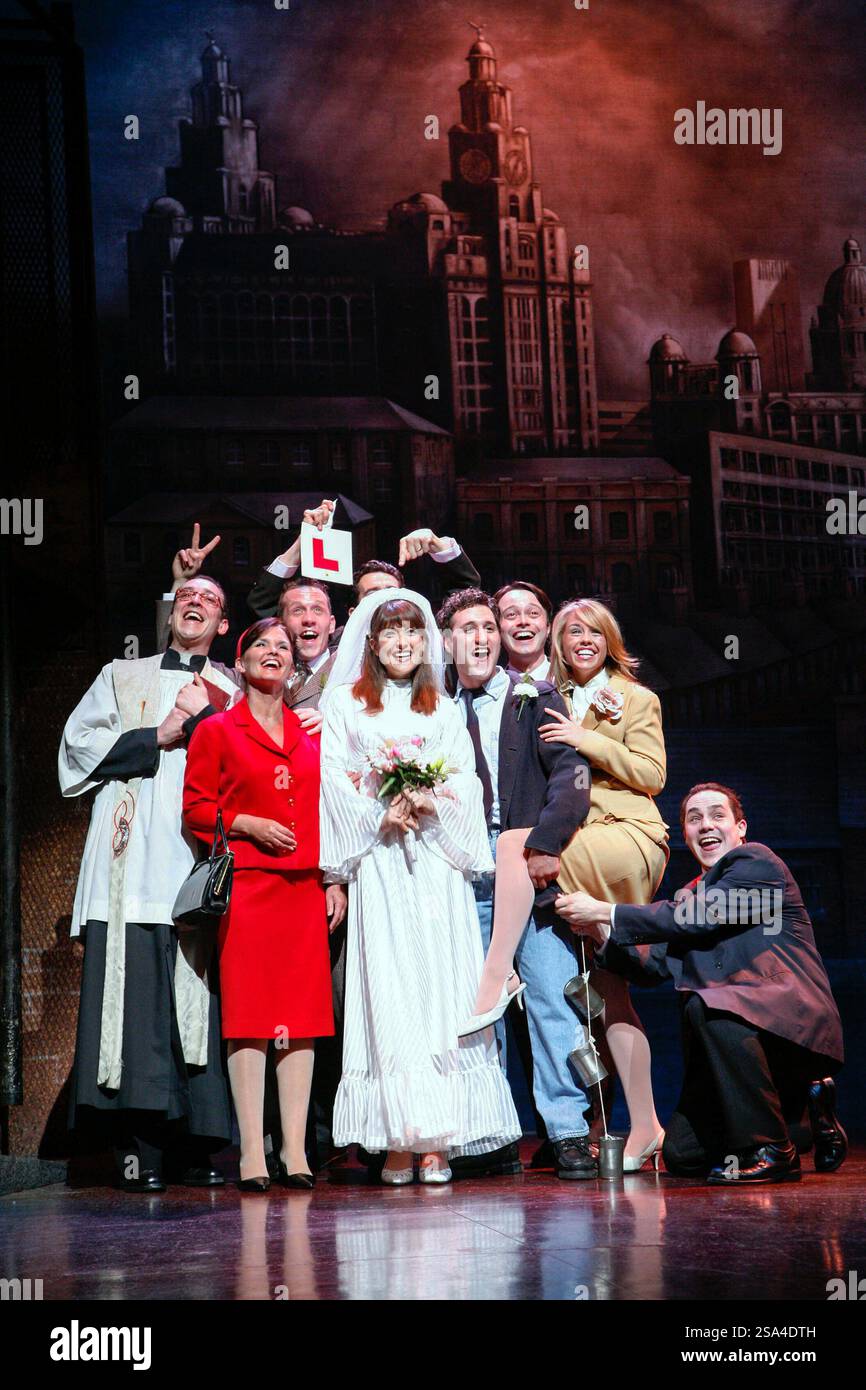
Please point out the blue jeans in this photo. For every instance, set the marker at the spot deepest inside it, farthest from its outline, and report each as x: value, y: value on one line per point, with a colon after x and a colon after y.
x: 545, y: 961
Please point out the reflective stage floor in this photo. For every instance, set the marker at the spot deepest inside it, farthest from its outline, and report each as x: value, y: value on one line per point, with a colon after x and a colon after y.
x: 525, y: 1237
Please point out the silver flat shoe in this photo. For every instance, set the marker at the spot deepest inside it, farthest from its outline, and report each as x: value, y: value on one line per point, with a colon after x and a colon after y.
x: 434, y: 1175
x: 397, y: 1177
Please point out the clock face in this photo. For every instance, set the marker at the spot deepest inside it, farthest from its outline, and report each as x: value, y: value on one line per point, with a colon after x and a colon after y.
x: 475, y: 166
x: 515, y: 167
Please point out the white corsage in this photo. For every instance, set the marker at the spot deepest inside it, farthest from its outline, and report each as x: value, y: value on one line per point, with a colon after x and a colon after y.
x: 608, y: 704
x: 524, y: 690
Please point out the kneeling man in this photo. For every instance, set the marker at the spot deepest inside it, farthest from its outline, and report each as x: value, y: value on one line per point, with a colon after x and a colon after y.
x: 760, y: 1023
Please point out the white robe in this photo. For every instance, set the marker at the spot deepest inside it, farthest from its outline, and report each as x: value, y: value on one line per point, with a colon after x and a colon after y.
x: 413, y: 952
x: 161, y: 851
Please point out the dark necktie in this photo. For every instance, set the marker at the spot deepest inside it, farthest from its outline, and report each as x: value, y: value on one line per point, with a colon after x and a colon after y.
x: 302, y: 674
x: 483, y: 771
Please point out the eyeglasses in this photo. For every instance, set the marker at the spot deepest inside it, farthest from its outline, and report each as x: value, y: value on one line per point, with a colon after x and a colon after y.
x: 207, y: 596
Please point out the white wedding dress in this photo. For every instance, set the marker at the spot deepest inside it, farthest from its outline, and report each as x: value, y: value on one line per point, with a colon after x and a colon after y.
x: 413, y: 952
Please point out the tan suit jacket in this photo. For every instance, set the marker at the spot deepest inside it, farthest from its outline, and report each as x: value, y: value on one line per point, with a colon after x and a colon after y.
x: 308, y: 695
x: 628, y: 760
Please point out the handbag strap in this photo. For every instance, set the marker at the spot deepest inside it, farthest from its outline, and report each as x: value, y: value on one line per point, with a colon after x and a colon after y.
x: 220, y: 839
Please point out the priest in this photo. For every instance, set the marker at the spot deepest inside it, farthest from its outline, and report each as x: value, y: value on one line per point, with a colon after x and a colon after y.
x: 148, y: 1055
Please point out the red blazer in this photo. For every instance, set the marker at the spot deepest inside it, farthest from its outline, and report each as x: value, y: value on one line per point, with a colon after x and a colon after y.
x: 232, y: 765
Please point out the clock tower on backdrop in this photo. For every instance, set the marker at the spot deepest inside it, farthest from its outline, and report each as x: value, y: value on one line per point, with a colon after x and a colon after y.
x: 519, y: 302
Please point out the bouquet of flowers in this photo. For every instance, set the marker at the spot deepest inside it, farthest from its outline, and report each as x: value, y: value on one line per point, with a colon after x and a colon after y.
x: 399, y: 767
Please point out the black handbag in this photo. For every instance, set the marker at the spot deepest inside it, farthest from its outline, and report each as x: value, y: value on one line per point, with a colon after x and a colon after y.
x: 205, y: 892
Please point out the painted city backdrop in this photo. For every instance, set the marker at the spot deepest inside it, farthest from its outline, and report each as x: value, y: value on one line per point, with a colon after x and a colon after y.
x: 578, y: 283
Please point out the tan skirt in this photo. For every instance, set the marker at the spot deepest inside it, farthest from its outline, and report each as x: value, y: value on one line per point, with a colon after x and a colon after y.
x: 614, y: 861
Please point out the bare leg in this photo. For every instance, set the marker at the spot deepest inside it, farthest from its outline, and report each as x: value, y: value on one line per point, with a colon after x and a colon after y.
x: 398, y: 1160
x: 246, y: 1059
x: 511, y: 908
x: 630, y: 1051
x: 294, y: 1080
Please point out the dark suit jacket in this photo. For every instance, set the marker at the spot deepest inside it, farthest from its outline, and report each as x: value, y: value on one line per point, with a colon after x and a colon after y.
x: 714, y: 942
x: 545, y: 785
x: 441, y: 578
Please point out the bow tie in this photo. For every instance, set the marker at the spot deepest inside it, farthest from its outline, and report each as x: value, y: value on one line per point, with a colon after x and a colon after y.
x: 172, y: 661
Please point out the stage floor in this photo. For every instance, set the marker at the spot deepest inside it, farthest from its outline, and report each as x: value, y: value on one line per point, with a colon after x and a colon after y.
x: 525, y: 1237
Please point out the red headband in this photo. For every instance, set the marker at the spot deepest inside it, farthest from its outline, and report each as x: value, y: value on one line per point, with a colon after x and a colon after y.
x: 277, y: 622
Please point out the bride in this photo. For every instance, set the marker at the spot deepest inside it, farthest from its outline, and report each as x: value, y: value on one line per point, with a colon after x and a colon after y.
x: 413, y: 955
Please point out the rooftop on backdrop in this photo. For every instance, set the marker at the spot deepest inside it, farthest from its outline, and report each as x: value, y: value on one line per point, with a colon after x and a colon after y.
x: 269, y: 413
x: 173, y: 508
x: 846, y: 288
x: 603, y: 468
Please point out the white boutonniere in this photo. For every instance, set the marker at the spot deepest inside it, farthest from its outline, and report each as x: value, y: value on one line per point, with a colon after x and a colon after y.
x: 608, y: 704
x: 524, y: 690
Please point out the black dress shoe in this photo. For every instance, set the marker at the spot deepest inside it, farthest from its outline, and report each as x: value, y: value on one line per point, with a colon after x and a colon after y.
x: 300, y: 1180
x: 543, y: 1156
x: 148, y: 1180
x: 831, y: 1141
x: 374, y: 1163
x: 254, y: 1184
x: 769, y: 1163
x: 202, y: 1177
x: 574, y: 1158
x: 499, y: 1163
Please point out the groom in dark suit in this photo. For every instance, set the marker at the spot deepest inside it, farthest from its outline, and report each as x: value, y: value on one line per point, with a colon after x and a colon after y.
x: 759, y: 1020
x: 526, y: 782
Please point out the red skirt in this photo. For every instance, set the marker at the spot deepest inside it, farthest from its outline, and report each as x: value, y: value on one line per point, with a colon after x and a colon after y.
x: 274, y: 960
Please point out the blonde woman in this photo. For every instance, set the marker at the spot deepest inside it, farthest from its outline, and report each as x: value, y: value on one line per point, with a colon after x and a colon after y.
x: 620, y: 852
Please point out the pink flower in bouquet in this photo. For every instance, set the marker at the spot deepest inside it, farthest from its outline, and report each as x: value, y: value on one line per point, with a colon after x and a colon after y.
x: 399, y: 767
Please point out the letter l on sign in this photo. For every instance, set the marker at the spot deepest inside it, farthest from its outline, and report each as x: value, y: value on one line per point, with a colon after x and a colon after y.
x: 320, y: 559
x: 326, y: 554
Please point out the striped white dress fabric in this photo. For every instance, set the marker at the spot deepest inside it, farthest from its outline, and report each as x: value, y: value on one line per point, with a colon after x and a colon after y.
x: 413, y: 952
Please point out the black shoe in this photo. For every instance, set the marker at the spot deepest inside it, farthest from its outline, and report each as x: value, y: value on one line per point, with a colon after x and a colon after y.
x: 201, y: 1177
x: 374, y: 1163
x: 287, y: 1179
x: 543, y: 1156
x: 769, y: 1163
x: 831, y: 1141
x: 499, y: 1163
x: 574, y: 1158
x: 148, y: 1180
x: 254, y: 1184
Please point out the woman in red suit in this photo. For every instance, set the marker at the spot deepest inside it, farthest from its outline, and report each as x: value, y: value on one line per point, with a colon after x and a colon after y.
x: 256, y: 764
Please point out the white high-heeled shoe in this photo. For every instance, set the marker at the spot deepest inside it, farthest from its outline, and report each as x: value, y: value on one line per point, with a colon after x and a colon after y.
x: 652, y: 1151
x: 478, y: 1021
